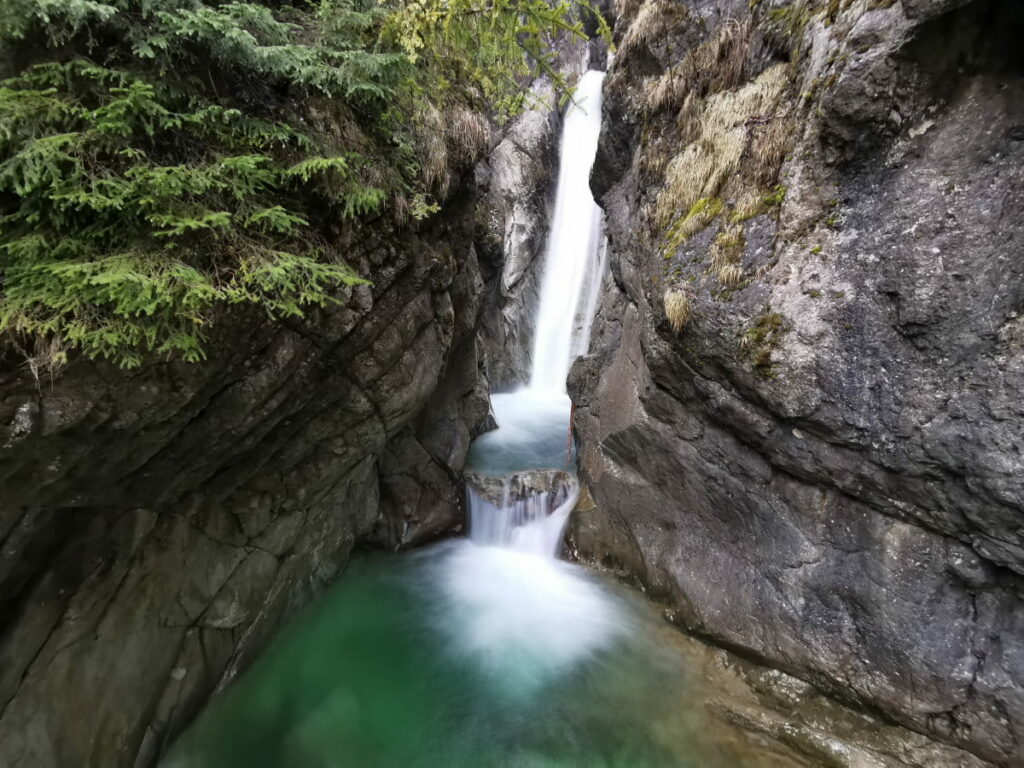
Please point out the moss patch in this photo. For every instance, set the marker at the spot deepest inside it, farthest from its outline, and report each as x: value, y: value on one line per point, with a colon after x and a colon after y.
x: 762, y: 337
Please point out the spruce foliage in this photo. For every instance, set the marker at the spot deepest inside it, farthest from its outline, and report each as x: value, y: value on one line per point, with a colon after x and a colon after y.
x: 162, y: 158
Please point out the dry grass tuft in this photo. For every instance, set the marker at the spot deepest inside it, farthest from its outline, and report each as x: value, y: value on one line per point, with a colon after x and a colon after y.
x: 678, y: 308
x: 726, y: 54
x: 446, y: 140
x: 715, y: 65
x: 750, y: 204
x: 701, y: 168
x: 768, y: 149
x: 467, y: 133
x: 728, y: 247
x: 730, y: 275
x: 668, y: 89
x: 44, y: 356
x: 627, y: 9
x: 655, y: 20
x: 433, y: 148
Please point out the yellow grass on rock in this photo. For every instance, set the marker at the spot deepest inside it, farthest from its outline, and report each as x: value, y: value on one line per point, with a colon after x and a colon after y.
x: 702, y: 167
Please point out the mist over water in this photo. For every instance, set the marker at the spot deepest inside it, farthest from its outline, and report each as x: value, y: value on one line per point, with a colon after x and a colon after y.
x: 460, y: 655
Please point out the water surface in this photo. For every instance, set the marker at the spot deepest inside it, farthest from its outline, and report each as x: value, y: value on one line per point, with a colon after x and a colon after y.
x: 461, y: 655
x: 533, y: 431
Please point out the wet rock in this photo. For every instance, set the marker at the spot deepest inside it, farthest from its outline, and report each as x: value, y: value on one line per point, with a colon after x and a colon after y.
x: 502, y: 489
x: 824, y: 468
x: 158, y: 525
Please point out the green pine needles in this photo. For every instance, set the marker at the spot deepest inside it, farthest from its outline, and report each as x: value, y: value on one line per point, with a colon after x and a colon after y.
x: 162, y: 159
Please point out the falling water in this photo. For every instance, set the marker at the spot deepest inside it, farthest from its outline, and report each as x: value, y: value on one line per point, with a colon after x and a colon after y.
x: 574, y: 242
x: 534, y: 429
x: 530, y: 522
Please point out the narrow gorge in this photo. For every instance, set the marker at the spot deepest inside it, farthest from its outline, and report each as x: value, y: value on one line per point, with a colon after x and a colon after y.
x: 637, y: 384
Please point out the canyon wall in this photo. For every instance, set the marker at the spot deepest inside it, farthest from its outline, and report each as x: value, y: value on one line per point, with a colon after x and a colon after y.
x: 801, y: 418
x: 158, y: 524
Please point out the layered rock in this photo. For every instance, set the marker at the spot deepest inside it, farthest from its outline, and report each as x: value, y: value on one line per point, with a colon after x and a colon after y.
x: 801, y: 419
x: 159, y: 524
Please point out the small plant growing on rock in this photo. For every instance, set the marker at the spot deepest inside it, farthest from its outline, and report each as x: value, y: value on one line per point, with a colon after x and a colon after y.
x: 730, y: 276
x: 678, y: 309
x: 761, y: 338
x: 701, y: 213
x: 776, y: 197
x: 728, y: 247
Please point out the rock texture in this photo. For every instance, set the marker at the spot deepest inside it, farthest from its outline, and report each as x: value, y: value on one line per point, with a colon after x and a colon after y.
x: 769, y: 719
x: 823, y: 468
x: 159, y: 524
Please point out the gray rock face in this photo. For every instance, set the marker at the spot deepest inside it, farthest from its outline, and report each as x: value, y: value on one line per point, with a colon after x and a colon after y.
x: 823, y: 470
x: 158, y: 525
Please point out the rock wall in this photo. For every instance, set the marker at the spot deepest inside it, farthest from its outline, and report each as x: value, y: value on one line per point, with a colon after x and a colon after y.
x: 159, y: 524
x: 801, y: 418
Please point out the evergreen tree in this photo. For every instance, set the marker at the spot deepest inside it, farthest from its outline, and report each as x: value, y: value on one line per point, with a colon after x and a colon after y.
x: 161, y: 158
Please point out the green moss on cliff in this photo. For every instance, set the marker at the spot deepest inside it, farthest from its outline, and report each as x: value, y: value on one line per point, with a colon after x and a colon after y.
x: 759, y: 341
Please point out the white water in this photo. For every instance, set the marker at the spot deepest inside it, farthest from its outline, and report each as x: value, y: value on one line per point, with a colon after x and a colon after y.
x: 573, y: 251
x: 534, y: 429
x: 525, y: 618
x: 533, y: 524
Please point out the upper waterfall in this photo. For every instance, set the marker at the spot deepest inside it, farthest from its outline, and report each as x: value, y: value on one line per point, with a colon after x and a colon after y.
x: 574, y: 243
x: 535, y: 424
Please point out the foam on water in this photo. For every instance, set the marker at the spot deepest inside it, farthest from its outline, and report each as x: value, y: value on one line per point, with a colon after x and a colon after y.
x: 525, y: 618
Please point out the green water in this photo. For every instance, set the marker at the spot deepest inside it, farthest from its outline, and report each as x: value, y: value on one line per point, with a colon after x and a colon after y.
x: 460, y: 655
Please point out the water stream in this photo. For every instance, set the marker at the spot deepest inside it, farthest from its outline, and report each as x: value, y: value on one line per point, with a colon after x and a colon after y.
x: 574, y: 244
x: 486, y: 651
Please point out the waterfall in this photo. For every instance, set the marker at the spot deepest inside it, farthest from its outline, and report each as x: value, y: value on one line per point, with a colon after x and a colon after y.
x: 528, y: 520
x: 522, y: 484
x: 573, y: 249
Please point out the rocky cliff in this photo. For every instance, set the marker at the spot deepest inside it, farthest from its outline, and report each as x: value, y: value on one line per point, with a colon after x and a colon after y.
x: 801, y: 418
x: 158, y: 525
